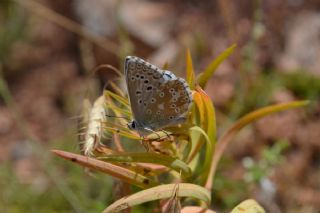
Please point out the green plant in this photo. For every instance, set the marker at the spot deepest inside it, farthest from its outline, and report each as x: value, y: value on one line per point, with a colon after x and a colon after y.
x: 271, y: 157
x: 180, y: 162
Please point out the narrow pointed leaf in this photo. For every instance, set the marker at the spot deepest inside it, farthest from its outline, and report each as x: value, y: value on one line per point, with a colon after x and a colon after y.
x: 208, y: 154
x: 190, y: 76
x: 118, y: 98
x: 118, y: 110
x: 210, y: 115
x: 172, y: 163
x: 242, y: 122
x: 123, y: 133
x: 123, y: 174
x: 202, y: 122
x: 204, y: 76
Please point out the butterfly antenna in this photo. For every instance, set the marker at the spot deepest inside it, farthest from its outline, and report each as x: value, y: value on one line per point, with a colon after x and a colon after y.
x: 113, y: 116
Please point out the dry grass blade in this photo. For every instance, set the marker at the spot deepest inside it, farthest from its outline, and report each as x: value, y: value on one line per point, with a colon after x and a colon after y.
x: 123, y: 133
x: 66, y: 23
x: 123, y: 174
x: 154, y: 158
x: 118, y: 98
x: 160, y: 192
x: 117, y: 89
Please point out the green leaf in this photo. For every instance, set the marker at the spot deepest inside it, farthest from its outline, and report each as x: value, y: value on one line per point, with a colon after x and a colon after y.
x: 242, y: 122
x: 210, y: 115
x: 208, y: 154
x: 190, y: 76
x: 207, y: 129
x: 204, y: 76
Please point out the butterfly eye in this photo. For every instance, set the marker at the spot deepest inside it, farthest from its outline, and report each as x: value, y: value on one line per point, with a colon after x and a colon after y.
x: 171, y: 90
x: 171, y: 117
x: 138, y: 92
x: 153, y: 100
x: 174, y: 100
x: 140, y: 101
x: 177, y: 110
x: 132, y: 78
x: 149, y: 88
x: 137, y: 75
x: 173, y: 106
x: 142, y: 77
x: 146, y: 81
x: 132, y: 125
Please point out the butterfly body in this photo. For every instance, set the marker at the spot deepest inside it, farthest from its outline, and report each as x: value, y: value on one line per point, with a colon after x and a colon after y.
x: 157, y: 97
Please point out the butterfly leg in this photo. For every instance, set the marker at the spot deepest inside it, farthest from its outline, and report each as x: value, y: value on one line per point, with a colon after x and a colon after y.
x: 151, y: 130
x: 143, y: 142
x: 166, y: 133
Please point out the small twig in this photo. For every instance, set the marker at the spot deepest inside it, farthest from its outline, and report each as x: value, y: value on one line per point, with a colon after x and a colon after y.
x: 68, y: 24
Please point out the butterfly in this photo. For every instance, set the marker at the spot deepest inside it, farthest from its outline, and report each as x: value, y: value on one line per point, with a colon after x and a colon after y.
x: 157, y: 97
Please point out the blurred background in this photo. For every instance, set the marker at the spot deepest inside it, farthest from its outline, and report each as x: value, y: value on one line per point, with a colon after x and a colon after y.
x: 48, y: 50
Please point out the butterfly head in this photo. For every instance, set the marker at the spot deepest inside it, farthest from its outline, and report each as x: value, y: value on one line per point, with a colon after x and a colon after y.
x: 132, y: 125
x: 140, y: 128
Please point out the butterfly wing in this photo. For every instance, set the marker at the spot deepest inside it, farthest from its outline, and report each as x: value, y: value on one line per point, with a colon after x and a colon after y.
x: 171, y: 103
x: 140, y: 83
x: 133, y: 70
x: 157, y: 97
